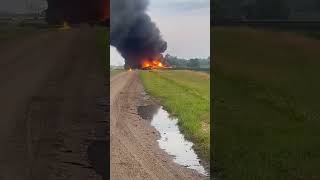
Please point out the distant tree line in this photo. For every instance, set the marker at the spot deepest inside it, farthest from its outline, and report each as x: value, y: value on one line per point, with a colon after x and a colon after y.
x: 194, y: 63
x: 263, y: 9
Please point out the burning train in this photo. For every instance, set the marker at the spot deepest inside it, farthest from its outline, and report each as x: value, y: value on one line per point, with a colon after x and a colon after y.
x: 156, y: 62
x: 136, y: 36
x: 78, y: 11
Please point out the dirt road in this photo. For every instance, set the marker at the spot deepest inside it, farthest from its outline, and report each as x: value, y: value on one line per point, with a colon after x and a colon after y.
x: 134, y: 150
x: 53, y: 107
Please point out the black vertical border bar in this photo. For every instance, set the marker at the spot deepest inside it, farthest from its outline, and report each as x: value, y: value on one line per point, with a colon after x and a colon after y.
x: 212, y: 129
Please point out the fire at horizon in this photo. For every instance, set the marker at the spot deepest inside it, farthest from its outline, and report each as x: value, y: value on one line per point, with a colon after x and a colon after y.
x: 154, y: 64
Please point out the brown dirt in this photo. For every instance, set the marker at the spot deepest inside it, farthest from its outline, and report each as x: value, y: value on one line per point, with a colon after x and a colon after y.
x: 135, y: 153
x: 52, y: 108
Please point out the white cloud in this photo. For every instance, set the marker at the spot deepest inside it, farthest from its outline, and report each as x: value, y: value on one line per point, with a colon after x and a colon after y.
x: 115, y: 58
x: 187, y: 32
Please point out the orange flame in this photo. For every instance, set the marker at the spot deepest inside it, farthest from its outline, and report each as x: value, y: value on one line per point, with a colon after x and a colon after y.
x: 154, y: 64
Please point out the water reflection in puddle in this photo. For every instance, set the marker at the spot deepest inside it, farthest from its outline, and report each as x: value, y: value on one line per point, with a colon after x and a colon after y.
x: 172, y: 141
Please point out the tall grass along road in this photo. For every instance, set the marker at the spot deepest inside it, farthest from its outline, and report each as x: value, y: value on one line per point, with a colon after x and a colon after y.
x: 186, y: 95
x: 266, y: 106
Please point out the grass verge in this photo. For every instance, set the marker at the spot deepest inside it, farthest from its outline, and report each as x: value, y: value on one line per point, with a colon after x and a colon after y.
x: 186, y: 95
x: 266, y: 110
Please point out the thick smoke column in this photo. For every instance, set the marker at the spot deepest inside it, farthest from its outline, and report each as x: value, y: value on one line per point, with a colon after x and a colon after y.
x: 133, y: 33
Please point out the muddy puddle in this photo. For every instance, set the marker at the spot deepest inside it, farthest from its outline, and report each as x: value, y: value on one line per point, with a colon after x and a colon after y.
x: 172, y: 140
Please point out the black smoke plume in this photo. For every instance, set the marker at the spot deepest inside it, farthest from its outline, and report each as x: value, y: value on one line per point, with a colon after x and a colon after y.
x: 133, y: 33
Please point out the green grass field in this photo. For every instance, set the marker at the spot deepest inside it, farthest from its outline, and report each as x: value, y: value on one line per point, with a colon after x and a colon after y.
x: 266, y: 109
x: 186, y: 95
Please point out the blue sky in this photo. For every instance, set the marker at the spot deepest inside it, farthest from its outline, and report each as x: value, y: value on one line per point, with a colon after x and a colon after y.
x: 184, y: 24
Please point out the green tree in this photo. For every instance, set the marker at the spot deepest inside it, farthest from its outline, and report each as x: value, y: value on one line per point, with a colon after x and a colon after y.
x: 194, y: 63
